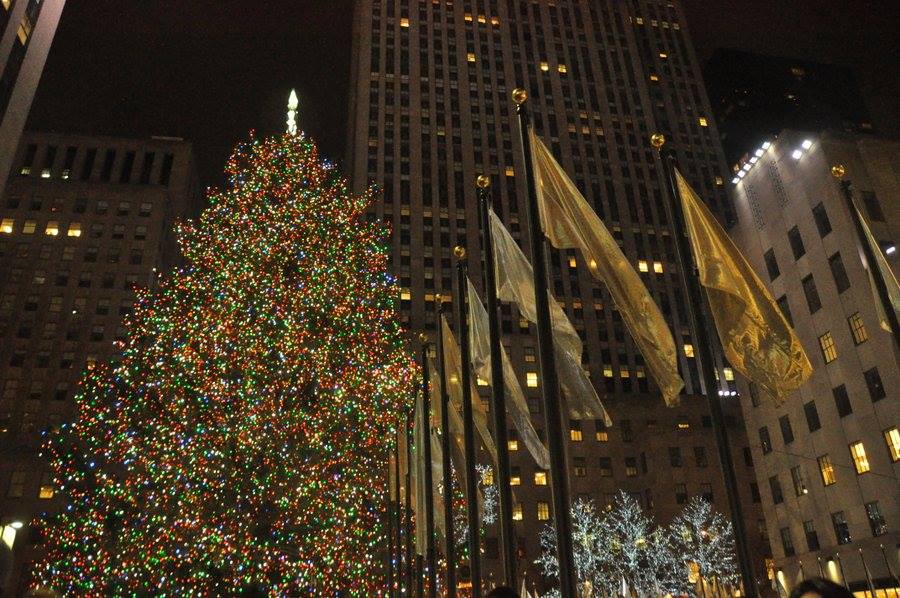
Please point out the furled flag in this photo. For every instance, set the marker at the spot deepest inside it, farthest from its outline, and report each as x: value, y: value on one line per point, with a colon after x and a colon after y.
x: 755, y: 335
x: 569, y: 222
x: 515, y: 284
x: 517, y: 406
x: 890, y: 281
x: 420, y: 433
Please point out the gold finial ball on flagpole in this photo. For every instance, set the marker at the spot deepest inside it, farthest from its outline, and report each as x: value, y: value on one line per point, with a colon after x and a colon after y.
x: 460, y: 252
x: 519, y: 96
x: 657, y: 140
x: 438, y: 298
x: 423, y: 337
x: 483, y: 181
x: 838, y: 171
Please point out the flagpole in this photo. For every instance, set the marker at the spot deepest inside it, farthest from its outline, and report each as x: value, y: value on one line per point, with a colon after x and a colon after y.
x: 837, y: 172
x: 468, y: 424
x: 430, y: 560
x: 409, y: 525
x: 449, y: 539
x: 389, y: 511
x: 498, y: 390
x: 399, y: 516
x: 559, y: 473
x: 705, y: 365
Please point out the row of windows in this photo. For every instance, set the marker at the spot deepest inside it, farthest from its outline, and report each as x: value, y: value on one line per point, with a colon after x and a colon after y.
x: 49, y: 166
x: 91, y: 254
x: 79, y: 206
x: 73, y: 229
x: 874, y: 515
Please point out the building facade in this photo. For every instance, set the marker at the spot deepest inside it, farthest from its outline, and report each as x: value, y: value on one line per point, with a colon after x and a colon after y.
x: 755, y: 96
x: 431, y: 110
x: 828, y: 459
x: 27, y: 28
x: 84, y: 220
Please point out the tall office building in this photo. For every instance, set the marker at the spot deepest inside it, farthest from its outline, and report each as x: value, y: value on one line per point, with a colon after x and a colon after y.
x: 828, y: 459
x: 27, y: 28
x: 83, y: 221
x: 431, y: 110
x: 755, y: 96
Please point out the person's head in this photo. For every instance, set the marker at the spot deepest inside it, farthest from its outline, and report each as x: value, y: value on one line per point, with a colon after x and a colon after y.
x: 817, y: 587
x: 502, y: 592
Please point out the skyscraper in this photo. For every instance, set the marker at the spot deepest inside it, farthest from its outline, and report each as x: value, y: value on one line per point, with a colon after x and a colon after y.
x: 84, y: 220
x: 431, y: 110
x: 27, y: 28
x: 828, y: 459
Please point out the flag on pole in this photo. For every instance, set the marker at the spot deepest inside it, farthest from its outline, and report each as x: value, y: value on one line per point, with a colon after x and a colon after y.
x: 481, y: 363
x: 420, y: 433
x: 890, y: 281
x: 754, y: 333
x: 515, y: 284
x: 569, y: 222
x: 454, y: 387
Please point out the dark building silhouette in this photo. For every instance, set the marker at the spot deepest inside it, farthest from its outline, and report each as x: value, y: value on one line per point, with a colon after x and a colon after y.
x: 754, y: 97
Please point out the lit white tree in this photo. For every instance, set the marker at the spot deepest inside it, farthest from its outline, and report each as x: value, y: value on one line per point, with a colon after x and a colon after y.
x: 704, y: 538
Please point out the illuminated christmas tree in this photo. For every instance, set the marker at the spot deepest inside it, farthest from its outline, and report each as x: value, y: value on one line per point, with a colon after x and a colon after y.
x: 239, y: 446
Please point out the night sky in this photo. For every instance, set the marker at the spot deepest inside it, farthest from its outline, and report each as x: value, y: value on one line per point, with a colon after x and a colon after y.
x: 212, y: 70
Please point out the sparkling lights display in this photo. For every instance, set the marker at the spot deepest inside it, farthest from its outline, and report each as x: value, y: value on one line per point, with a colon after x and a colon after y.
x: 239, y: 445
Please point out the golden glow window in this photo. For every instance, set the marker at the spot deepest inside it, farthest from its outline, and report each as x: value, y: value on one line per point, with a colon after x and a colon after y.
x: 512, y: 445
x: 544, y: 66
x: 543, y: 511
x: 829, y: 351
x: 575, y: 435
x: 46, y: 492
x: 531, y: 379
x: 729, y: 374
x: 468, y: 17
x: 663, y: 55
x: 74, y: 229
x: 515, y: 480
x: 643, y: 266
x: 654, y: 77
x: 404, y: 294
x: 470, y: 57
x: 572, y: 262
x: 510, y: 171
x: 602, y: 436
x: 892, y: 438
x: 6, y: 226
x: 52, y: 228
x: 30, y: 226
x: 495, y: 21
x: 684, y: 426
x: 481, y: 381
x: 482, y: 19
x: 540, y: 478
x: 658, y: 267
x: 517, y: 512
x: 404, y: 22
x: 858, y: 328
x: 703, y: 122
x: 860, y: 460
x: 607, y: 371
x: 562, y: 69
x: 826, y: 468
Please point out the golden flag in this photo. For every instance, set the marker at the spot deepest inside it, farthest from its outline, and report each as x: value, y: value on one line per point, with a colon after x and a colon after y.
x: 890, y: 281
x: 569, y: 222
x: 755, y: 335
x: 517, y: 406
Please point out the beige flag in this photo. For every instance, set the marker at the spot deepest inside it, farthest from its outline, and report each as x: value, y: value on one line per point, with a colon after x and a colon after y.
x: 515, y: 284
x: 890, y: 281
x: 517, y: 406
x: 454, y: 388
x: 755, y: 335
x: 418, y: 472
x: 569, y: 222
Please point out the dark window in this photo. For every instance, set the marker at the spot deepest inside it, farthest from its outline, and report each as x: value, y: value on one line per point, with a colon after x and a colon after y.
x: 839, y: 272
x: 147, y: 167
x: 812, y: 294
x: 166, y: 172
x: 841, y: 528
x: 674, y: 456
x: 787, y: 433
x: 765, y: 443
x: 700, y: 456
x: 681, y: 495
x: 772, y: 265
x: 775, y: 487
x: 108, y: 160
x: 812, y: 416
x: 605, y: 467
x: 872, y: 206
x: 873, y: 383
x: 49, y: 157
x: 127, y: 167
x: 821, y: 218
x: 842, y: 400
x: 786, y: 542
x: 876, y: 518
x: 796, y: 242
x: 785, y: 308
x: 812, y: 538
x: 28, y: 159
x: 69, y: 161
x: 87, y: 167
x: 754, y: 493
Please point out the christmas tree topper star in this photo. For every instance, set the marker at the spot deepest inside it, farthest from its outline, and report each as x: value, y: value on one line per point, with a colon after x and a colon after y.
x: 293, y: 102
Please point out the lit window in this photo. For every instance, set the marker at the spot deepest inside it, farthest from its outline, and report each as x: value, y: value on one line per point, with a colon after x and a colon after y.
x: 517, y: 512
x: 829, y: 351
x: 729, y: 374
x: 512, y: 445
x: 806, y: 144
x: 6, y: 226
x: 643, y: 266
x: 663, y: 55
x: 688, y: 350
x: 860, y: 460
x: 543, y: 511
x: 719, y: 181
x: 45, y: 173
x: 46, y: 492
x: 892, y: 438
x: 562, y: 68
x: 404, y: 22
x: 481, y: 381
x: 658, y: 267
x: 858, y: 329
x: 654, y: 77
x: 495, y: 21
x: 684, y: 425
x: 639, y: 20
x: 515, y: 479
x: 602, y: 436
x: 540, y: 478
x: 52, y: 228
x: 29, y: 227
x: 796, y: 154
x: 544, y: 66
x: 572, y: 262
x: 827, y: 470
x: 575, y: 435
x: 482, y: 19
x: 703, y: 122
x: 26, y: 170
x: 510, y: 171
x: 470, y: 56
x: 74, y: 229
x: 404, y: 294
x: 531, y: 379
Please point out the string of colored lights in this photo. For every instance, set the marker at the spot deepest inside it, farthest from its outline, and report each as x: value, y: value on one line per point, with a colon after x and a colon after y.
x: 240, y: 443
